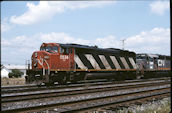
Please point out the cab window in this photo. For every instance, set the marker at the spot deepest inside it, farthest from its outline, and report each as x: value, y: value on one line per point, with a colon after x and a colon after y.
x: 55, y: 49
x: 64, y: 50
x: 48, y: 48
x: 61, y: 50
x: 151, y: 59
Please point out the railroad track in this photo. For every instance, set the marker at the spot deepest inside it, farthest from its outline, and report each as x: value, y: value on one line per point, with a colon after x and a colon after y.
x: 79, y: 90
x: 87, y: 97
x: 33, y: 87
x: 119, y: 105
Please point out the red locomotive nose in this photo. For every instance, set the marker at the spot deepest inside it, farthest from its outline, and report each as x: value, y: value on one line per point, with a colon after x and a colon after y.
x: 40, y: 60
x: 34, y: 60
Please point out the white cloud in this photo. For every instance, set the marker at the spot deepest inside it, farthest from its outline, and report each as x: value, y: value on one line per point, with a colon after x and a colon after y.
x: 5, y: 42
x: 21, y: 48
x: 155, y: 41
x: 62, y: 38
x: 108, y: 42
x: 159, y: 7
x: 47, y: 9
x: 5, y: 26
x: 15, y: 66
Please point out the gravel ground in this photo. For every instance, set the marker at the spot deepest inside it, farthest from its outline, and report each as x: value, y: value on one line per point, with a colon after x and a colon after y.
x: 73, y: 98
x: 153, y: 106
x: 12, y: 81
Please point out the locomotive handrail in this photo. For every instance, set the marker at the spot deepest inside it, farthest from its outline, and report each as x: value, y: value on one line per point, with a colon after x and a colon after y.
x: 42, y: 65
x: 92, y: 70
x: 47, y: 66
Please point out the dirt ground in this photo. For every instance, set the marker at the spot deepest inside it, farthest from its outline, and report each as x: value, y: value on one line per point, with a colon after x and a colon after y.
x: 12, y: 81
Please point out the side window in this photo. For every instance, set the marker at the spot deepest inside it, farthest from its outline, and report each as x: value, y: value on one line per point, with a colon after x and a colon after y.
x: 70, y: 50
x: 66, y: 51
x: 61, y: 50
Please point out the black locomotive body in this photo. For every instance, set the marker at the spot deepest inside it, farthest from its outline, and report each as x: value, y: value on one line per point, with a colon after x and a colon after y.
x: 107, y: 63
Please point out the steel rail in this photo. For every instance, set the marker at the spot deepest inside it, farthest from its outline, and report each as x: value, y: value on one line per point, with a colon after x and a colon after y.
x: 36, y: 88
x: 86, y: 81
x: 125, y: 99
x: 12, y: 98
x: 61, y: 107
x: 125, y: 104
x: 117, y: 93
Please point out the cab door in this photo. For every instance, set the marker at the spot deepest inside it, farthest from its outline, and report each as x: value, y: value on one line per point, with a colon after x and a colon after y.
x: 66, y: 58
x: 71, y: 58
x: 151, y: 63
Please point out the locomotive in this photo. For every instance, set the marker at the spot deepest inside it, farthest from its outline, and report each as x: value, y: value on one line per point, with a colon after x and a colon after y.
x: 153, y: 65
x: 64, y: 63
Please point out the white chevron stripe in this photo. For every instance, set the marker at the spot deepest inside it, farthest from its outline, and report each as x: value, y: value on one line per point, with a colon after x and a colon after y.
x: 115, y: 62
x: 132, y: 62
x: 92, y: 61
x: 79, y: 62
x: 124, y: 62
x: 104, y: 61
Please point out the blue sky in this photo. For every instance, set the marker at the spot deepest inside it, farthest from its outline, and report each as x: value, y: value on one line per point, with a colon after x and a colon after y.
x: 25, y: 25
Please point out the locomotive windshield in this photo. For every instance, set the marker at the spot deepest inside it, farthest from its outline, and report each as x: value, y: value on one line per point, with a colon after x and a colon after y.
x: 55, y: 48
x: 141, y: 57
x: 49, y: 48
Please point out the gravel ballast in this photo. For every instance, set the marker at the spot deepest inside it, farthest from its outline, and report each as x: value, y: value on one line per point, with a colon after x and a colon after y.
x: 153, y: 106
x: 38, y: 102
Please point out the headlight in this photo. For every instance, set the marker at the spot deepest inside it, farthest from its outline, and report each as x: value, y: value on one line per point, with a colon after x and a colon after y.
x: 46, y: 57
x: 36, y: 55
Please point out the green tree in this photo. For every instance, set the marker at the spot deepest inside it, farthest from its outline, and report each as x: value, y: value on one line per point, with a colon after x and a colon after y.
x: 15, y: 73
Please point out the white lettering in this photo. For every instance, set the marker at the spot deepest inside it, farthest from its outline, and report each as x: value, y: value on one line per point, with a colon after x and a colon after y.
x: 64, y: 57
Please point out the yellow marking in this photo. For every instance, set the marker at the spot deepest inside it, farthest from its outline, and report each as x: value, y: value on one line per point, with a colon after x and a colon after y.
x: 164, y: 68
x: 88, y: 70
x: 159, y: 69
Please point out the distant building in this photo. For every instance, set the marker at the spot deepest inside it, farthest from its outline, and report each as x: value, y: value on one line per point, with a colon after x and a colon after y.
x: 6, y: 69
x: 4, y: 72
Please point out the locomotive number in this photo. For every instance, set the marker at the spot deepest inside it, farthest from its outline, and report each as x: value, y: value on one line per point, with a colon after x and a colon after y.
x: 64, y: 57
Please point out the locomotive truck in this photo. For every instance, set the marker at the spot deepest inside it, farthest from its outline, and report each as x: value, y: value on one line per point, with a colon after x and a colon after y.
x: 64, y: 63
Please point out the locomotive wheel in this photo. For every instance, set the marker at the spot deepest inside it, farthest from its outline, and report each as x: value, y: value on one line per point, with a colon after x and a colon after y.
x: 27, y: 79
x: 74, y: 81
x: 39, y: 82
x: 73, y: 78
x: 63, y: 80
x: 49, y: 84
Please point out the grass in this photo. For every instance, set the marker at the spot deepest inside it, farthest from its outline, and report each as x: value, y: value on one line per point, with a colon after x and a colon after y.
x: 12, y: 81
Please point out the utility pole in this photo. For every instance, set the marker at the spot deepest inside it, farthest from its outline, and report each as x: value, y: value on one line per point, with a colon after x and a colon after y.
x: 27, y: 64
x: 123, y: 42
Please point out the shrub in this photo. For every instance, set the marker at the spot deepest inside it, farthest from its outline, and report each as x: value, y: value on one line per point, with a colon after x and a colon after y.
x: 15, y: 73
